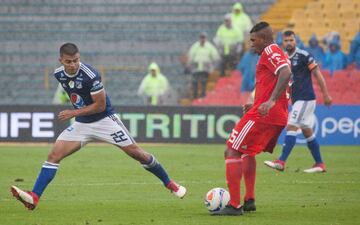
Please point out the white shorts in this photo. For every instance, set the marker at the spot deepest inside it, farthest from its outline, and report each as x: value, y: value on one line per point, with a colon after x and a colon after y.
x: 109, y: 129
x: 302, y: 114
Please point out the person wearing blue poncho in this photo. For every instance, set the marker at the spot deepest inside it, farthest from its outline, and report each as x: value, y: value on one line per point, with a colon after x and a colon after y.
x: 247, y: 67
x: 354, y: 55
x: 335, y: 59
x: 315, y: 49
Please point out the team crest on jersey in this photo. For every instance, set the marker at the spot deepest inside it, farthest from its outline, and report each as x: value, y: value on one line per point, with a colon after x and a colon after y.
x: 71, y: 84
x: 78, y: 84
x: 77, y: 101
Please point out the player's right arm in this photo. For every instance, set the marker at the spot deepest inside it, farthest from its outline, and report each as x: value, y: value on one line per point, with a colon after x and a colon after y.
x: 98, y: 106
x: 284, y: 75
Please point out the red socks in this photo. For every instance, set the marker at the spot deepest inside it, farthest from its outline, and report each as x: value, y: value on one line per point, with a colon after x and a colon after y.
x: 249, y: 172
x: 233, y: 178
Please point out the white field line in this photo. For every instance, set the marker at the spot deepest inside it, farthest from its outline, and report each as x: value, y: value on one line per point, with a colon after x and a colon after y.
x: 186, y: 182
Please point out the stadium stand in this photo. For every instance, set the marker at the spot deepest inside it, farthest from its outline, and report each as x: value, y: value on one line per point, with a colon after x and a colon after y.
x: 120, y: 37
x: 278, y: 14
x: 324, y: 16
x: 306, y: 17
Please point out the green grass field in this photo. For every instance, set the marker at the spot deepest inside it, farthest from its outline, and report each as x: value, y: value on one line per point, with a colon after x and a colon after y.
x: 101, y: 185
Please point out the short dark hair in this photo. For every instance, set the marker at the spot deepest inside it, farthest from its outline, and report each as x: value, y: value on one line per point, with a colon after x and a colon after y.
x: 259, y: 26
x: 288, y: 33
x: 68, y: 49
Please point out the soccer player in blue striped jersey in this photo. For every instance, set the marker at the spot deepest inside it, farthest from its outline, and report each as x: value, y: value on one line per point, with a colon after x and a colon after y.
x: 94, y: 120
x: 303, y: 67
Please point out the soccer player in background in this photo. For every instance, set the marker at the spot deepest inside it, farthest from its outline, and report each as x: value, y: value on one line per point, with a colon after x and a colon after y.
x: 94, y: 120
x: 262, y: 123
x: 303, y: 66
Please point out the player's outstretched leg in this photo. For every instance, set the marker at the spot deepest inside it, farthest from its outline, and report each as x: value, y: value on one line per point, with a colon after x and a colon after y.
x: 60, y: 150
x: 313, y: 145
x: 156, y: 168
x: 150, y: 163
x: 30, y: 199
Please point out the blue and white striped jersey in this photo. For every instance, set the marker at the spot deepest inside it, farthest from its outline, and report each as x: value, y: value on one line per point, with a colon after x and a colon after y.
x: 80, y: 87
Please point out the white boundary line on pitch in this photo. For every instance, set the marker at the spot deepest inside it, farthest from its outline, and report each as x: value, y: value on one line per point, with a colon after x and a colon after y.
x: 195, y: 182
x: 96, y: 144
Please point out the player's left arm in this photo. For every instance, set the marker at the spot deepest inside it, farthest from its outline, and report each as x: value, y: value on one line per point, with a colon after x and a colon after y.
x: 321, y: 81
x: 284, y: 75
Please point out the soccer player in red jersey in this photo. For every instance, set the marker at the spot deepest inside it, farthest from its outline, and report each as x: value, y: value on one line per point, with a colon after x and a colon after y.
x: 262, y: 123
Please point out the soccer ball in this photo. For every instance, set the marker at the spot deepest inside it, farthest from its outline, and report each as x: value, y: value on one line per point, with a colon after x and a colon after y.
x: 216, y: 199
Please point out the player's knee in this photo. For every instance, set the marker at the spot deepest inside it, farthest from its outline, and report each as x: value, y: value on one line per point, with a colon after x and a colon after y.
x: 290, y: 127
x: 307, y: 132
x: 54, y: 157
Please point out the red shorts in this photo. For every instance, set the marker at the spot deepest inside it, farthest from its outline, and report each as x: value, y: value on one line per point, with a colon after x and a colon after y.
x: 251, y: 137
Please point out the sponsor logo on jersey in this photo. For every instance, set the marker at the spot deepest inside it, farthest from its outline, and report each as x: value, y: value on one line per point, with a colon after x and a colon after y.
x: 77, y: 101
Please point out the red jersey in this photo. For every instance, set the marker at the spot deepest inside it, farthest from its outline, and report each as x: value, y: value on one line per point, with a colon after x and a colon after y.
x: 271, y: 60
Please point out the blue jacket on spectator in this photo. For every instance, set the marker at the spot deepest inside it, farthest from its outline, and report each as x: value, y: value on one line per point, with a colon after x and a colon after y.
x: 247, y: 67
x: 354, y: 55
x: 335, y: 59
x: 315, y: 49
x: 299, y: 42
x: 278, y: 39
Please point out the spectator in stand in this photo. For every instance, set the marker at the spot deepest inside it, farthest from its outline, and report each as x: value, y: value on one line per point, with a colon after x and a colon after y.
x: 335, y: 59
x: 202, y: 59
x: 247, y: 67
x: 354, y: 55
x: 229, y: 42
x: 153, y: 86
x: 299, y: 42
x: 278, y: 38
x: 240, y: 19
x: 316, y: 50
x: 331, y: 36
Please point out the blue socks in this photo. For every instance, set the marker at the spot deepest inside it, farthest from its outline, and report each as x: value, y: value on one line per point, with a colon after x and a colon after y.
x: 47, y: 173
x: 290, y: 140
x: 155, y: 168
x: 314, y: 147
